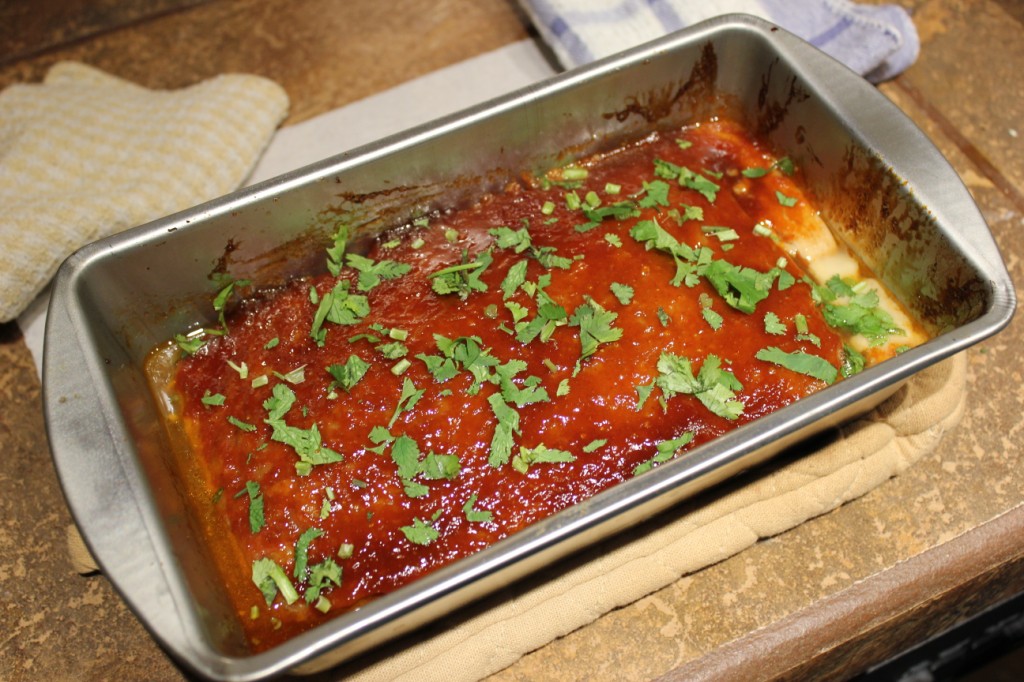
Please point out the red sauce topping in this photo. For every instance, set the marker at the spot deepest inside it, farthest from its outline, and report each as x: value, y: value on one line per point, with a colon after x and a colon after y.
x: 396, y: 508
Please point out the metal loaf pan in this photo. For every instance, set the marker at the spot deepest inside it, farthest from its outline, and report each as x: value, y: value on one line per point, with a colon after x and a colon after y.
x: 880, y: 183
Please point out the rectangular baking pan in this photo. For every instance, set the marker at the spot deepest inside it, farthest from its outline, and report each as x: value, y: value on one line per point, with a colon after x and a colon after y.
x: 881, y: 184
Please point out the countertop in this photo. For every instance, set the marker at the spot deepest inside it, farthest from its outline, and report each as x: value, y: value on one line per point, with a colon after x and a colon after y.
x: 828, y: 599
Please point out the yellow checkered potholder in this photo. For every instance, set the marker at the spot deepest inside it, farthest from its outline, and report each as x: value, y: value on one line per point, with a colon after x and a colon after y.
x: 84, y: 155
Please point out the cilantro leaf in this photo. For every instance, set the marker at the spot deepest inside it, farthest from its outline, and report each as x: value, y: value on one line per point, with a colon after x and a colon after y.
x: 773, y: 325
x: 741, y: 287
x: 220, y: 301
x: 244, y: 426
x: 322, y: 576
x: 306, y: 442
x: 349, y: 374
x: 215, y: 399
x: 189, y: 345
x: 514, y: 278
x: 853, y: 362
x: 623, y: 292
x: 507, y: 238
x: 420, y: 532
x: 474, y: 515
x: 800, y: 362
x: 436, y: 467
x: 271, y: 579
x: 713, y: 386
x: 784, y: 200
x: 507, y: 426
x: 541, y: 454
x: 862, y: 315
x: 336, y: 251
x: 339, y: 307
x: 620, y: 210
x: 408, y: 399
x: 464, y: 278
x: 595, y: 325
x: 302, y: 551
x: 667, y: 449
x: 656, y: 194
x: 373, y: 273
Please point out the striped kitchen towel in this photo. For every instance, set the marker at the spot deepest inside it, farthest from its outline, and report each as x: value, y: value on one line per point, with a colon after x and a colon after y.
x: 876, y: 41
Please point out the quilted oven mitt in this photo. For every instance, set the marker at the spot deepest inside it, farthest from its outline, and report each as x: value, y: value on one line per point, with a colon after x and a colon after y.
x: 84, y: 155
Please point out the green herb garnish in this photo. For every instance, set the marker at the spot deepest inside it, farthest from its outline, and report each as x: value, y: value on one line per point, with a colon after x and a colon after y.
x: 800, y: 362
x: 271, y: 579
x: 541, y: 454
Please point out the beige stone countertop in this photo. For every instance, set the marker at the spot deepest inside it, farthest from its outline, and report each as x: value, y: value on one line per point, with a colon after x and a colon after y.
x: 828, y: 599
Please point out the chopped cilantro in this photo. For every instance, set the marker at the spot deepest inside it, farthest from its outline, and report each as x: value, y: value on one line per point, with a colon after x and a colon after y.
x: 696, y: 181
x: 295, y: 376
x: 474, y: 515
x: 656, y: 194
x: 594, y: 445
x: 754, y: 172
x: 189, y: 345
x: 713, y: 318
x: 271, y: 579
x: 773, y: 325
x: 613, y: 239
x: 420, y: 532
x: 302, y: 552
x: 623, y: 292
x: 784, y: 200
x: 436, y: 467
x: 249, y: 428
x: 852, y: 363
x: 348, y: 375
x: 666, y: 451
x: 410, y: 396
x: 595, y: 324
x: 713, y: 386
x: 785, y: 165
x: 462, y: 279
x: 541, y: 454
x: 721, y: 233
x: 373, y: 273
x: 507, y: 238
x: 514, y: 278
x: 272, y: 343
x: 215, y: 399
x: 321, y: 577
x: 336, y: 251
x: 741, y: 287
x: 220, y: 301
x: 643, y: 392
x: 393, y: 350
x: 663, y: 317
x: 800, y: 362
x: 256, y: 519
x: 862, y: 315
x: 242, y: 369
x: 620, y: 210
x: 504, y: 431
x: 338, y: 306
x: 306, y: 442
